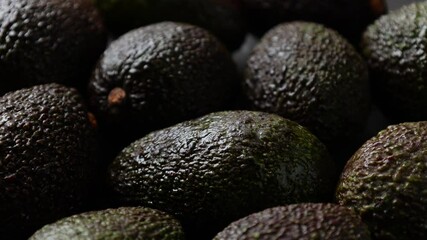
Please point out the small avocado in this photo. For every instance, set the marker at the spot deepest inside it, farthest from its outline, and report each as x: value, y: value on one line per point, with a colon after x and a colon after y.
x: 305, y: 221
x: 126, y: 223
x: 385, y: 182
x: 348, y: 17
x: 310, y: 74
x: 223, y: 18
x: 395, y: 48
x: 159, y: 75
x: 45, y: 41
x: 46, y: 155
x: 216, y: 169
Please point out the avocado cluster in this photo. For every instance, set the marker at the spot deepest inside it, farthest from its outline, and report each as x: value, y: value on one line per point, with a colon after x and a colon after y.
x: 158, y: 136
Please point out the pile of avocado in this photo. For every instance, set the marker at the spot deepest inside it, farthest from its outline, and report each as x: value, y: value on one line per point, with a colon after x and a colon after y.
x: 129, y: 119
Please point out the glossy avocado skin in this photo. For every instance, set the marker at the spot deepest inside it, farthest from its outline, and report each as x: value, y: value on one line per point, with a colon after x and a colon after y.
x: 348, y: 17
x: 45, y: 41
x: 305, y: 221
x: 221, y: 167
x: 169, y: 72
x: 385, y: 182
x: 395, y: 48
x: 223, y: 18
x: 311, y: 75
x: 46, y: 144
x: 127, y: 223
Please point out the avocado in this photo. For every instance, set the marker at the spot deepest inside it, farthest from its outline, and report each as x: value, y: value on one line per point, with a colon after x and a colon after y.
x: 385, y: 182
x: 45, y: 41
x: 348, y: 17
x: 305, y: 221
x: 157, y: 76
x: 395, y: 48
x: 223, y: 18
x: 46, y: 152
x: 133, y: 223
x: 223, y: 166
x: 310, y: 74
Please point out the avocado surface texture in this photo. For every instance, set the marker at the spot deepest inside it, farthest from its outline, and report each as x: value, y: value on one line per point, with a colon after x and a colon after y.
x: 125, y: 223
x: 395, y: 48
x: 310, y: 74
x: 348, y: 17
x: 216, y: 169
x: 45, y: 41
x: 46, y: 143
x: 385, y: 182
x: 305, y: 221
x: 223, y: 18
x: 159, y: 75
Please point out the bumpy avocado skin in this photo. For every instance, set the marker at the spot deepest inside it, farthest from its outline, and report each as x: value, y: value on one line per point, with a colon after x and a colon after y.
x: 305, y: 221
x: 311, y: 75
x: 46, y: 144
x: 348, y: 17
x: 125, y: 223
x: 45, y: 41
x: 221, y: 167
x: 395, y: 48
x: 222, y: 18
x: 170, y: 72
x: 385, y: 182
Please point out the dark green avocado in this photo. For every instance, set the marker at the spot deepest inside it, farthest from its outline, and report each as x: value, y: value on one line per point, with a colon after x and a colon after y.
x: 216, y: 169
x: 46, y: 142
x: 159, y: 75
x: 385, y: 182
x: 348, y: 17
x: 45, y: 41
x: 222, y: 18
x: 310, y: 74
x: 305, y: 221
x: 125, y: 223
x: 395, y: 48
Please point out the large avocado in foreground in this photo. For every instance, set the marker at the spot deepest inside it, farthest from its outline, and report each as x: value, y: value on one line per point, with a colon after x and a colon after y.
x: 306, y: 221
x: 133, y: 223
x: 312, y: 75
x: 46, y: 142
x: 395, y: 48
x: 45, y: 41
x: 216, y: 169
x: 385, y: 182
x: 159, y: 75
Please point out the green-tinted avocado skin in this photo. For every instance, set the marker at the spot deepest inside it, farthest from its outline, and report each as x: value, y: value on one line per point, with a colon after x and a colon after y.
x: 216, y: 169
x: 348, y: 17
x: 45, y: 41
x: 125, y: 223
x: 395, y: 47
x: 222, y: 18
x: 306, y: 221
x: 46, y: 146
x: 385, y: 182
x: 170, y: 72
x: 311, y: 75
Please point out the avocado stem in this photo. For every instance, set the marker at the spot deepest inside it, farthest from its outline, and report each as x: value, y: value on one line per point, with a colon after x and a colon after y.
x: 378, y: 7
x: 92, y: 120
x: 116, y: 96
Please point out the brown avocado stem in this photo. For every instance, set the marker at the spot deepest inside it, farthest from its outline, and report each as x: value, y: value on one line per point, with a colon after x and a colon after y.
x: 378, y: 6
x: 92, y: 120
x: 116, y: 96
